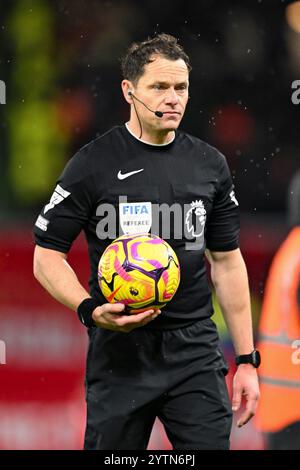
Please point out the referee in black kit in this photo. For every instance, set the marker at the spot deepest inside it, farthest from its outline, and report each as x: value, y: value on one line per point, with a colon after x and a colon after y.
x: 154, y: 364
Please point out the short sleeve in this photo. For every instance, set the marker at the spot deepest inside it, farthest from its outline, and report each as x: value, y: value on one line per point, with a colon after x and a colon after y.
x: 222, y: 231
x: 69, y: 208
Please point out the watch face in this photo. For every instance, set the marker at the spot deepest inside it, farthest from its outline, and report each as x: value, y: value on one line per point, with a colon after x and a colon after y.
x: 256, y: 358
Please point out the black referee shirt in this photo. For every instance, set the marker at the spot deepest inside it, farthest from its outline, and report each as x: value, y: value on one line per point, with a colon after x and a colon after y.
x: 187, y: 175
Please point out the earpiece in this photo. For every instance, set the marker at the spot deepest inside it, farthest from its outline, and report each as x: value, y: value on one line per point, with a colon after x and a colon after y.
x: 129, y: 92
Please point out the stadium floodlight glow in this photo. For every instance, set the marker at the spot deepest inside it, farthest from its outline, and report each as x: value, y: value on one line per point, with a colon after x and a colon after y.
x: 292, y: 14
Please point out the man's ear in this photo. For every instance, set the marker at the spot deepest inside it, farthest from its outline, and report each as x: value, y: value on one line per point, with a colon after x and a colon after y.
x: 127, y: 87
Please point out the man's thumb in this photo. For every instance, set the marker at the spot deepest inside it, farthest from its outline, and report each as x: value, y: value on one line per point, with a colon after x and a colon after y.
x: 118, y: 307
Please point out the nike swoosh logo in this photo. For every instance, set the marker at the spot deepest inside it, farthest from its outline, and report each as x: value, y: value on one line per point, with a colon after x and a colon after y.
x: 125, y: 175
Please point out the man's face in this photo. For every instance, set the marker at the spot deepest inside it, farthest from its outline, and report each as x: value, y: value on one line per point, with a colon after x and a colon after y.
x: 163, y: 87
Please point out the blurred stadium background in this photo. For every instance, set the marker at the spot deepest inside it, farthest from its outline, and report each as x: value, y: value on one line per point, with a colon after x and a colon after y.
x: 60, y: 63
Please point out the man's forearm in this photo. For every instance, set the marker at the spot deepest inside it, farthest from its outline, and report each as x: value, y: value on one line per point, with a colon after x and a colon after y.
x: 58, y: 278
x: 232, y: 290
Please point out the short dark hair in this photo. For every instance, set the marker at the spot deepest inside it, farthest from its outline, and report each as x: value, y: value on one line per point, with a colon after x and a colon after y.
x: 140, y: 54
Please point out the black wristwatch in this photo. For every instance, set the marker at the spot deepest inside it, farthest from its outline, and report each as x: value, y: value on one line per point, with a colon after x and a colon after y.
x: 252, y: 358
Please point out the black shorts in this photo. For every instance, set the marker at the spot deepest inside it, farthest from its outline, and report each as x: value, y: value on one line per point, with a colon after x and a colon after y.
x: 175, y: 375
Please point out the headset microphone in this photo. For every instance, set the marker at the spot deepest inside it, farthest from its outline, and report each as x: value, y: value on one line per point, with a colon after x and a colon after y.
x: 157, y: 113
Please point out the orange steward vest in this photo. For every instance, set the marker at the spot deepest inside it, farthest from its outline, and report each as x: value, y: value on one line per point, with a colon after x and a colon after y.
x: 279, y: 327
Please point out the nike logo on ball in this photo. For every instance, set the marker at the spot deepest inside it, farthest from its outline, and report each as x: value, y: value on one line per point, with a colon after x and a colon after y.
x: 125, y: 175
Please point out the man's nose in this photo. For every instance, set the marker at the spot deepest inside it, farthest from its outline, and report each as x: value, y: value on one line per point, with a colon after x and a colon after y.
x: 171, y: 97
